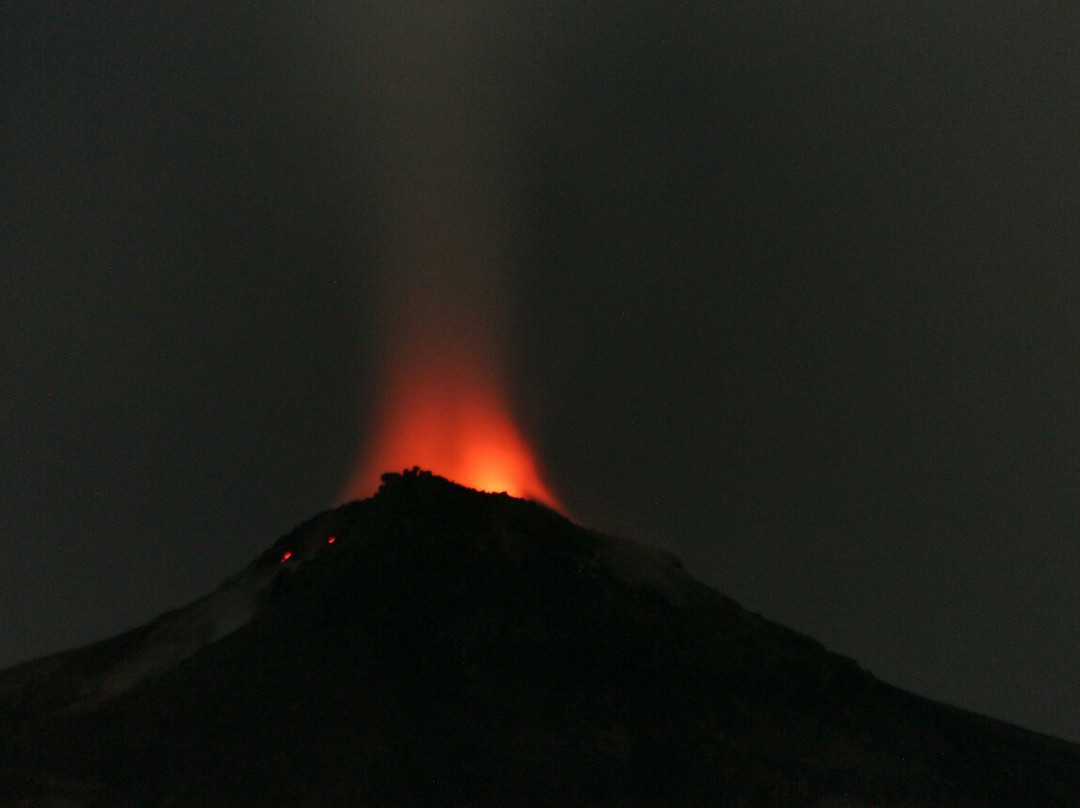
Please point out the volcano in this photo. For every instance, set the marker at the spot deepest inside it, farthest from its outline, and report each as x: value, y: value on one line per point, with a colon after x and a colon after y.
x: 438, y: 646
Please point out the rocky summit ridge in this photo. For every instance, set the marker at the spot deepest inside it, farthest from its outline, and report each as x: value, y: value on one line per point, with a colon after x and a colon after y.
x: 439, y: 646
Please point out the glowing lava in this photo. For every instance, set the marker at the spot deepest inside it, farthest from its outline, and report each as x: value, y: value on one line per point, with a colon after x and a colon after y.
x: 450, y: 418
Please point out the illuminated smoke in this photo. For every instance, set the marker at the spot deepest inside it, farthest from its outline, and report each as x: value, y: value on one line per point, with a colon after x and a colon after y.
x: 446, y: 196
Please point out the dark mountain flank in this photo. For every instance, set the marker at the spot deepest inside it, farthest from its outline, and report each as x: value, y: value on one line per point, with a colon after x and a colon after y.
x: 437, y: 646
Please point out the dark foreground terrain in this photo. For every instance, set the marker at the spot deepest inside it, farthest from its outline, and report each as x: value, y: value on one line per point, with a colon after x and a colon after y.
x: 435, y: 646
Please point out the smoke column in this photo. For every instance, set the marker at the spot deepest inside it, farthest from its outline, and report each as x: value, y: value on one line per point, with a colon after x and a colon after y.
x: 447, y: 193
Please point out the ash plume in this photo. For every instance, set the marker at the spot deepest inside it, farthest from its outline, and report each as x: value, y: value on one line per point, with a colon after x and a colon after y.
x: 444, y: 81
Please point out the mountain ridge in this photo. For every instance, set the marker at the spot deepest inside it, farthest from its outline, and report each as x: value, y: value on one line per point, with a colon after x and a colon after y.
x: 435, y: 645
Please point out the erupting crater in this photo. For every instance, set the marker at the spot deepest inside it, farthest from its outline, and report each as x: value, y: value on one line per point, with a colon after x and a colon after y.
x: 449, y: 415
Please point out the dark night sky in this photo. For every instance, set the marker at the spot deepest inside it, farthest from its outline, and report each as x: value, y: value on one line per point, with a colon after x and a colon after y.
x: 795, y: 294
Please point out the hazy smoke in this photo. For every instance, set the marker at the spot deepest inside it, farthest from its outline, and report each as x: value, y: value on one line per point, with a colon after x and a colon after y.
x: 446, y: 185
x: 444, y: 87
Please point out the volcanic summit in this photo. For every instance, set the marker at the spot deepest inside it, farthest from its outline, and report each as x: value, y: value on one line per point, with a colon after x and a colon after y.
x: 438, y: 646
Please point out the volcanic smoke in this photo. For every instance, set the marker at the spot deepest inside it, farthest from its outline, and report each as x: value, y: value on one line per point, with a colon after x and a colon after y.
x: 446, y: 192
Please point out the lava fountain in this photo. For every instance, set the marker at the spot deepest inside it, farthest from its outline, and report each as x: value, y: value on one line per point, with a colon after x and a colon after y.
x: 444, y: 414
x: 444, y: 180
x: 441, y: 403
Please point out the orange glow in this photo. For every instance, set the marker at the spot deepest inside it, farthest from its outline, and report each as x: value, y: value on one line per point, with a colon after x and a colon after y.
x: 446, y: 225
x: 445, y: 414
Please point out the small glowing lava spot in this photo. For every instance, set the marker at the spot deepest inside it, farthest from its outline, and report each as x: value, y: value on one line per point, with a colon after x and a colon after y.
x: 331, y: 540
x: 287, y: 556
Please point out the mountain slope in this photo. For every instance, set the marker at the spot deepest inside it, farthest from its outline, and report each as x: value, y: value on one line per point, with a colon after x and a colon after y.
x: 435, y: 645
